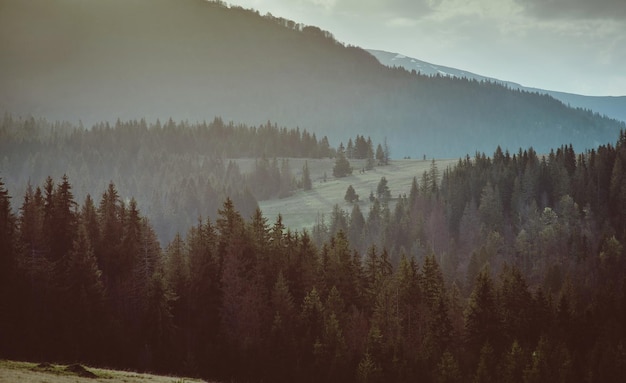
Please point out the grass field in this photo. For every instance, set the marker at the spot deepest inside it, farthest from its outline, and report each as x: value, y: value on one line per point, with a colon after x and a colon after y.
x: 302, y: 209
x: 12, y: 372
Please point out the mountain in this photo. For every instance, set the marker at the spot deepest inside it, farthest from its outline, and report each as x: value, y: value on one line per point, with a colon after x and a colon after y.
x: 192, y: 60
x: 613, y: 107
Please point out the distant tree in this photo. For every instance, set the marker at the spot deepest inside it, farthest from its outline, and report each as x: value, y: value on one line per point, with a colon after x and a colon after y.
x: 286, y: 179
x: 490, y: 208
x: 306, y: 177
x: 370, y: 155
x: 357, y: 224
x: 325, y: 150
x: 351, y: 195
x: 433, y: 176
x: 382, y: 191
x: 380, y: 155
x: 342, y: 166
x: 386, y: 152
x: 350, y: 150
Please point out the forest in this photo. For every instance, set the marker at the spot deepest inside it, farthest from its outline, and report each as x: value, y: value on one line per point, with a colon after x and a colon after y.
x: 177, y: 172
x: 196, y: 59
x: 509, y: 269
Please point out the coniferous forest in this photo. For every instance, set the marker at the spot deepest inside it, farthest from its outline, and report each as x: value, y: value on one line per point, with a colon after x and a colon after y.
x: 507, y: 268
x: 176, y: 171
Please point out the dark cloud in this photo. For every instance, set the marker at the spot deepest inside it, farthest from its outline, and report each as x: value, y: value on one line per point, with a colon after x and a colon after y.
x: 575, y: 9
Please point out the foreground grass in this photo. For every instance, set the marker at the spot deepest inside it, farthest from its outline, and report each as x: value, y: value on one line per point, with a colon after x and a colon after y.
x: 11, y: 371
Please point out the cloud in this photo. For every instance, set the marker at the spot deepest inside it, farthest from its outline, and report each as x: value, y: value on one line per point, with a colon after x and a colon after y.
x: 401, y: 22
x: 407, y: 9
x: 575, y: 9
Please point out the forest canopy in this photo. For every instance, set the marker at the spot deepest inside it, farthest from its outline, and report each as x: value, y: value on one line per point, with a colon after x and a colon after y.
x: 516, y: 273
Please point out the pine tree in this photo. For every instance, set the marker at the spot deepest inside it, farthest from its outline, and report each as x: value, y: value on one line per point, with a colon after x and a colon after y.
x: 83, y: 298
x: 7, y: 237
x: 448, y: 370
x: 486, y: 369
x: 9, y: 292
x: 350, y: 154
x: 177, y: 279
x: 357, y: 225
x: 111, y: 233
x: 351, y: 195
x: 286, y: 179
x: 386, y: 152
x: 380, y: 155
x: 62, y: 220
x: 203, y: 296
x: 306, y: 177
x: 369, y: 165
x: 382, y: 191
x: 342, y: 166
x: 482, y: 322
x: 282, y: 339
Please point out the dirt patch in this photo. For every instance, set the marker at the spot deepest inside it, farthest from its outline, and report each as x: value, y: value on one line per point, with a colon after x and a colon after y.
x: 44, y: 367
x: 80, y: 371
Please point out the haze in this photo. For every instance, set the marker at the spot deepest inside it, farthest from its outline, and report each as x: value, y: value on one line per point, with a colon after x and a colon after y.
x: 576, y: 46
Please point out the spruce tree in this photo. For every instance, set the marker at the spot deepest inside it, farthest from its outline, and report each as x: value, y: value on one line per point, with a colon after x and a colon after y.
x: 306, y: 177
x: 342, y: 166
x: 351, y: 195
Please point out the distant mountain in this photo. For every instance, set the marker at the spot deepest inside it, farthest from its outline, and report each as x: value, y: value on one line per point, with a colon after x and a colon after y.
x: 194, y: 60
x: 613, y: 107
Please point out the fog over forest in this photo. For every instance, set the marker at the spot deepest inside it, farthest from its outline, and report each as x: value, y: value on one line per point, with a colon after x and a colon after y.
x: 463, y: 230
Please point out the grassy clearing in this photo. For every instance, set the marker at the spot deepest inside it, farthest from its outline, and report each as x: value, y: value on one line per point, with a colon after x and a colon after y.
x: 11, y: 371
x: 301, y: 210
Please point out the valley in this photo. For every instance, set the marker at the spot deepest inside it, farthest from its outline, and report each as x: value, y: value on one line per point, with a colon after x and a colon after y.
x: 148, y: 147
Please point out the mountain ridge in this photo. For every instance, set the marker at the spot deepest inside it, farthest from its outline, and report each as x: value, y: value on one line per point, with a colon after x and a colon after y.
x: 194, y: 60
x: 611, y: 106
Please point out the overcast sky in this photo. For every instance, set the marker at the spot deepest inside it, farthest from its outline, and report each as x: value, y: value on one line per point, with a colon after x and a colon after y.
x: 576, y: 46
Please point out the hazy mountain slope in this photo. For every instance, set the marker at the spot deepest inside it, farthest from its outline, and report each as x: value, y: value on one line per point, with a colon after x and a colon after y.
x: 191, y: 59
x: 614, y: 107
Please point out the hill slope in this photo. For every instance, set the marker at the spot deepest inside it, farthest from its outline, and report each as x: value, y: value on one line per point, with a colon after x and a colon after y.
x: 614, y: 107
x: 191, y: 59
x: 303, y: 209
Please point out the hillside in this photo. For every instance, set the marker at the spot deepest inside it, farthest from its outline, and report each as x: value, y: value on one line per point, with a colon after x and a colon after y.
x: 613, y: 107
x: 304, y: 208
x: 194, y: 60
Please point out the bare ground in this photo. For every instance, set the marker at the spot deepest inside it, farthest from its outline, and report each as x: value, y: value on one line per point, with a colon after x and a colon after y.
x: 11, y: 372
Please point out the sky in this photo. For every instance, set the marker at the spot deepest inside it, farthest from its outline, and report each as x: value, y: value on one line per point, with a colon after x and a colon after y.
x: 575, y: 46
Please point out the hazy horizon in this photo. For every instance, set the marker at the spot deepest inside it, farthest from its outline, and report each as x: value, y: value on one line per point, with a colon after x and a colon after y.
x: 569, y: 46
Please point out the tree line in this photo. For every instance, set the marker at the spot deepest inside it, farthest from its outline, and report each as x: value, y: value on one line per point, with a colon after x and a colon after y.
x: 538, y: 212
x: 537, y: 293
x: 176, y: 171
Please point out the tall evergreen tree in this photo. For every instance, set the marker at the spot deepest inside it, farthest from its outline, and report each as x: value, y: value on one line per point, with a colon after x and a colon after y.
x: 342, y: 166
x: 482, y: 321
x: 306, y: 177
x: 9, y: 291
